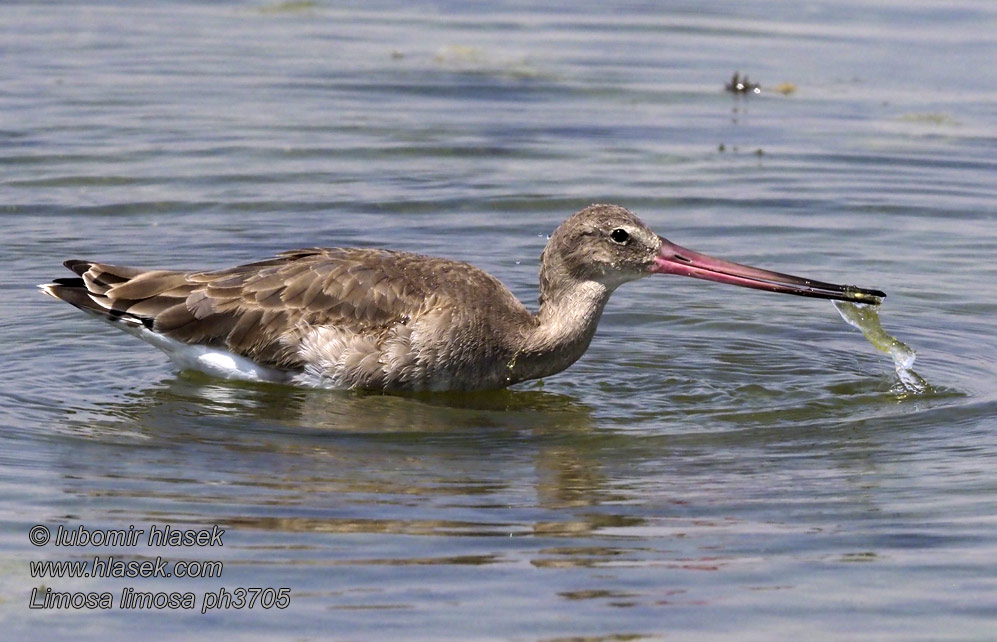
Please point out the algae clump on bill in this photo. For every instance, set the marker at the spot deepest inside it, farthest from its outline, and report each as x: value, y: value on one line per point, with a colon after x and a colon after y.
x: 865, y: 317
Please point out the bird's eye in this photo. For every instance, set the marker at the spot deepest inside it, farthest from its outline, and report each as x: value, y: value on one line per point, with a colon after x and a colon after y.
x: 619, y: 235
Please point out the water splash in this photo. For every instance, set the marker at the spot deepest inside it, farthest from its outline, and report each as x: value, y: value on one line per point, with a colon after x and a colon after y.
x: 866, y: 318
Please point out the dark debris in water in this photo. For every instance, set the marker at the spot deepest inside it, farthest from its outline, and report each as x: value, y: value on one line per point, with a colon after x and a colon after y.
x: 738, y: 85
x: 735, y: 149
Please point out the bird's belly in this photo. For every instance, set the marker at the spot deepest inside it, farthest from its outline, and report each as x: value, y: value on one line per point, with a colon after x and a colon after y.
x: 420, y: 356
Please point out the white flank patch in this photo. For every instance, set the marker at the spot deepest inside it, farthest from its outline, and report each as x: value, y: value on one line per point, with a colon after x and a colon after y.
x: 216, y: 362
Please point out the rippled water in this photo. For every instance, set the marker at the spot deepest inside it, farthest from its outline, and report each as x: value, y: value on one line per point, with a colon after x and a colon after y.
x: 722, y: 463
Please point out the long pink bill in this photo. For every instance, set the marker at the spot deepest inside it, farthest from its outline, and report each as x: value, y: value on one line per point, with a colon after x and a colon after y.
x: 675, y: 259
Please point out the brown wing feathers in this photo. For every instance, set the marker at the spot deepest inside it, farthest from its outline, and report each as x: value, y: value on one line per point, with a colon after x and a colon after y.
x: 261, y: 309
x: 116, y: 292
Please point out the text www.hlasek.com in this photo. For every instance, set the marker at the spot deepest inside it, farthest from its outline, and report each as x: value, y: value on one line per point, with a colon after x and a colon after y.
x: 110, y: 567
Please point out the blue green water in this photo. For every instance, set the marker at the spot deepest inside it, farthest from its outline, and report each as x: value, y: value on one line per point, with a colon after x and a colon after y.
x: 722, y: 463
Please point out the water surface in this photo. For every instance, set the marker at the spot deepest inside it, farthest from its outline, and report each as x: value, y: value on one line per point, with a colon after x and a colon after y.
x: 721, y: 464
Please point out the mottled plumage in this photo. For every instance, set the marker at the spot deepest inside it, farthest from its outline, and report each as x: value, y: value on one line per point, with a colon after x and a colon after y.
x: 385, y: 320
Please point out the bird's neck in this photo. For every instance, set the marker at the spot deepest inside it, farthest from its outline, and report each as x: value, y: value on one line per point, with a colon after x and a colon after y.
x: 561, y: 330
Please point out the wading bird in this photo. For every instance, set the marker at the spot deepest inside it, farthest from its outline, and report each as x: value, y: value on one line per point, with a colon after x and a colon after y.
x: 386, y: 320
